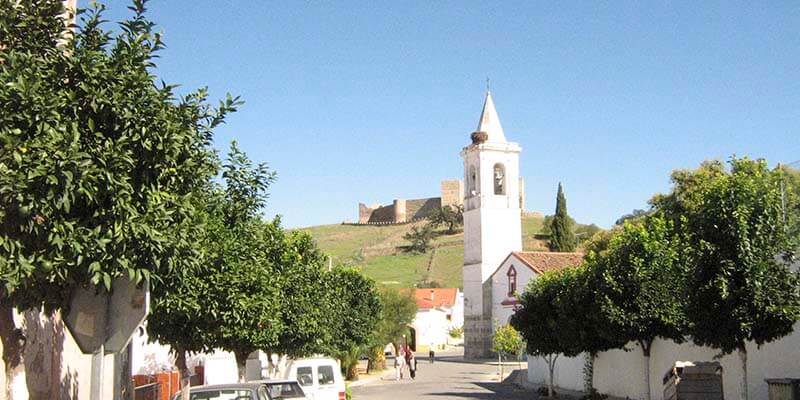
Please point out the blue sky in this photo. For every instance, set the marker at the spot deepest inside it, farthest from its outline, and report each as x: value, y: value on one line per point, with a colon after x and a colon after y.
x: 372, y: 101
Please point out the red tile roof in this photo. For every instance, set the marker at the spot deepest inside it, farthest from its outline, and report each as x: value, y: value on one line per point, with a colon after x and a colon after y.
x: 543, y: 261
x: 435, y: 297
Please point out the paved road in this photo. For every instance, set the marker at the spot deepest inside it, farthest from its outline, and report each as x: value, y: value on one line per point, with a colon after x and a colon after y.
x: 450, y: 377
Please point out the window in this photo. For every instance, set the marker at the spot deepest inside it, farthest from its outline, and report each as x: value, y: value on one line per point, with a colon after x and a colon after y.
x: 499, y: 179
x: 286, y: 390
x: 325, y: 373
x: 222, y: 394
x: 304, y: 376
x: 512, y: 281
x: 473, y: 182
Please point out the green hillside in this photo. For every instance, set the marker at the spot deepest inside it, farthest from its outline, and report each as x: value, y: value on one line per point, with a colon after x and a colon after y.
x: 377, y: 251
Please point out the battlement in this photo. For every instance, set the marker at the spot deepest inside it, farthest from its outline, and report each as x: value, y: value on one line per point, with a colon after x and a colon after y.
x: 402, y: 211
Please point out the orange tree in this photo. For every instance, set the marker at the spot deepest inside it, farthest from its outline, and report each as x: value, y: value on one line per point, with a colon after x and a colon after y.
x: 740, y: 286
x: 98, y: 162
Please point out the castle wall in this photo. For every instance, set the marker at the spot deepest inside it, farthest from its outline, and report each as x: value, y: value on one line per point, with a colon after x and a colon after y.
x: 399, y: 210
x: 382, y: 214
x: 421, y: 208
x: 452, y: 193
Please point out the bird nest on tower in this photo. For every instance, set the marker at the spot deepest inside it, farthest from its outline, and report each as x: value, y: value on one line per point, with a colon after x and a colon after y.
x: 479, y: 137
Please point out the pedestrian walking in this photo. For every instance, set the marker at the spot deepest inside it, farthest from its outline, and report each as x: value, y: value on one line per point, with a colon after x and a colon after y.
x: 431, y: 355
x: 400, y: 361
x: 412, y: 367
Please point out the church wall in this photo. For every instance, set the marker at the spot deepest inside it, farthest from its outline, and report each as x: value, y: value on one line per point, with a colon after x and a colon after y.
x: 504, y: 236
x: 620, y: 373
x: 500, y: 312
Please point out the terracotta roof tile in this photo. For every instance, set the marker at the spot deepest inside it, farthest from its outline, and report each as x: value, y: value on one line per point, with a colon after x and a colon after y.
x: 428, y: 298
x: 543, y: 261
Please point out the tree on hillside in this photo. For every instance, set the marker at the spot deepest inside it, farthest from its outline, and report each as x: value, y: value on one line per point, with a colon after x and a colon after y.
x: 740, y: 287
x: 562, y: 237
x: 421, y: 238
x: 398, y: 311
x: 450, y: 216
x: 642, y: 286
x: 636, y: 213
x: 98, y: 162
x: 506, y: 340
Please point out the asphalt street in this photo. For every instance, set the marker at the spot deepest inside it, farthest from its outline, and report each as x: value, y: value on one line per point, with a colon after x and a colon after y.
x: 450, y: 377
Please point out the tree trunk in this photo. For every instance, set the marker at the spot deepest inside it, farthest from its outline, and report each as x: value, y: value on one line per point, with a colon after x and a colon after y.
x: 180, y: 362
x: 646, y: 350
x: 588, y: 372
x: 13, y: 343
x: 500, y: 365
x: 551, y: 364
x: 743, y: 356
x: 241, y: 364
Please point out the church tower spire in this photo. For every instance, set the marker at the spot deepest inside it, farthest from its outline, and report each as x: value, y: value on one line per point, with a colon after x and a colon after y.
x: 492, y: 221
x: 490, y: 121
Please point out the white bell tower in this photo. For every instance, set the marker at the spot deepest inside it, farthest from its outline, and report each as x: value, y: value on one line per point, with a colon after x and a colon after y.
x: 492, y: 222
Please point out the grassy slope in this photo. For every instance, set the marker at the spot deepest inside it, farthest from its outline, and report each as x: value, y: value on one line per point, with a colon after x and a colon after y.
x: 375, y: 250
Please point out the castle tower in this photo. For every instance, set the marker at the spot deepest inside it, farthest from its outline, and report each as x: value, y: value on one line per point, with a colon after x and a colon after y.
x: 492, y: 222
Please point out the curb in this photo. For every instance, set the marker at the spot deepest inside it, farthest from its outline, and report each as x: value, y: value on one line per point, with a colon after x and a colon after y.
x: 370, y: 378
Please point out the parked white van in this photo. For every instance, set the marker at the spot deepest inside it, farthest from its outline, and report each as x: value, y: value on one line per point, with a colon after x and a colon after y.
x: 320, y: 378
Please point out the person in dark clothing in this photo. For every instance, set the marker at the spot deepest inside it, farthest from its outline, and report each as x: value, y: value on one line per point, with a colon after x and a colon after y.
x: 431, y: 355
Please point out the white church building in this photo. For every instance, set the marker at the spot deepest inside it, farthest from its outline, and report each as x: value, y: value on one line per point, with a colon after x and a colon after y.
x: 496, y: 270
x: 495, y: 267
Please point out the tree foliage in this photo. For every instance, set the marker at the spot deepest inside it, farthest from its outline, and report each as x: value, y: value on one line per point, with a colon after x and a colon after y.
x: 357, y: 308
x: 450, y: 216
x: 562, y: 237
x: 98, y: 162
x: 641, y: 282
x: 641, y: 285
x: 232, y: 299
x: 420, y: 238
x: 506, y: 340
x: 740, y: 284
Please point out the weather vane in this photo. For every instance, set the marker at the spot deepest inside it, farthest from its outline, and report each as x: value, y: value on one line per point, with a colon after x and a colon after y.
x: 487, y: 83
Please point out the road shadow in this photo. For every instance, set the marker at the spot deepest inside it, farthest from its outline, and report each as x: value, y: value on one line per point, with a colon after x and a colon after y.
x: 493, y: 390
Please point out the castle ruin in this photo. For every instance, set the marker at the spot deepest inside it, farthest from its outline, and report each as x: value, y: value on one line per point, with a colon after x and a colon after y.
x: 402, y: 211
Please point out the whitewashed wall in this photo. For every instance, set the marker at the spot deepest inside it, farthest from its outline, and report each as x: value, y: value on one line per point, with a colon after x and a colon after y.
x: 501, y: 313
x: 568, y: 373
x: 53, y: 360
x: 431, y: 327
x: 620, y: 373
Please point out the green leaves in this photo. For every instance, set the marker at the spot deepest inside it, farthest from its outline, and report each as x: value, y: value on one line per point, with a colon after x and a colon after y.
x: 739, y: 282
x: 506, y: 340
x: 82, y: 198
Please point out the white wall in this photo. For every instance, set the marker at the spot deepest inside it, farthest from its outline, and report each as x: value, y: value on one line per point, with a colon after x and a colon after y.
x: 620, y: 373
x: 432, y: 327
x: 53, y: 360
x: 501, y: 313
x: 567, y: 374
x: 457, y: 311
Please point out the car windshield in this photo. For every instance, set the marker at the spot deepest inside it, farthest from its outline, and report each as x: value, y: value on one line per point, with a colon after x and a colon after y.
x: 285, y: 390
x: 222, y: 394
